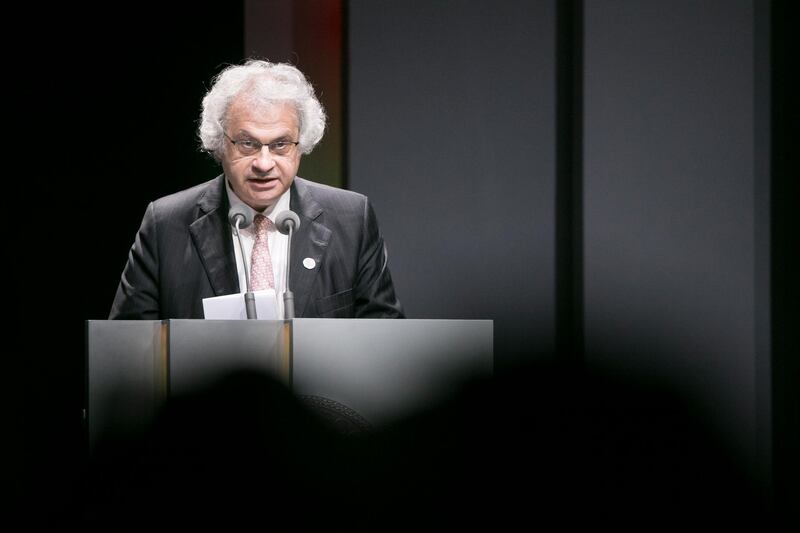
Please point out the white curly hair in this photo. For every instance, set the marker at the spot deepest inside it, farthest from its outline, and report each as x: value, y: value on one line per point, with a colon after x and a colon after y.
x: 265, y: 83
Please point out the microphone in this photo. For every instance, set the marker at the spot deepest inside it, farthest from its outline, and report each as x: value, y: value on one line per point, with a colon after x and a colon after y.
x: 240, y: 218
x: 287, y: 222
x: 241, y: 215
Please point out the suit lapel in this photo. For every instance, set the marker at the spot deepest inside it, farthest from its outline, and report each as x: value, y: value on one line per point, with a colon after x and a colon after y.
x: 309, y: 241
x: 211, y: 236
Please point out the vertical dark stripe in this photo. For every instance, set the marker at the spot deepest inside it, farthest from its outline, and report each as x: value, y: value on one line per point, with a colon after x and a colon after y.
x: 784, y: 264
x: 345, y: 94
x: 761, y: 212
x: 569, y: 181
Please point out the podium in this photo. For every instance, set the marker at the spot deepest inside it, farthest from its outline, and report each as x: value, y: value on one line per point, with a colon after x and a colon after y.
x: 373, y: 370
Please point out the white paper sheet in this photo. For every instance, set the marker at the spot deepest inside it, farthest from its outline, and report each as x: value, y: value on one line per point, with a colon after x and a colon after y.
x: 231, y: 306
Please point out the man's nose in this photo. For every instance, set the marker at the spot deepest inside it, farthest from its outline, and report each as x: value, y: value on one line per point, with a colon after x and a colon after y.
x: 263, y: 160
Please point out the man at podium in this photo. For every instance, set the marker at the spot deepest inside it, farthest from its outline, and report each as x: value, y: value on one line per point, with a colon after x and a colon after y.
x: 257, y: 120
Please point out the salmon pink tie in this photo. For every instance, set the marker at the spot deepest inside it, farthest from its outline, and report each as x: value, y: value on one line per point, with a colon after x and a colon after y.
x: 260, y: 262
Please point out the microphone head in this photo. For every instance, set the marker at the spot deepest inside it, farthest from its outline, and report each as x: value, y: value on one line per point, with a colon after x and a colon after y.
x: 285, y: 219
x: 245, y: 216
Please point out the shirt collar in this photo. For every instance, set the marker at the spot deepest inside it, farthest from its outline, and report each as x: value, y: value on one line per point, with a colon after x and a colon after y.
x: 271, y: 211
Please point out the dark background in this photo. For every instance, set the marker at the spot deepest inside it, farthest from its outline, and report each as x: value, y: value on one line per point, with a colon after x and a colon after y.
x: 612, y: 183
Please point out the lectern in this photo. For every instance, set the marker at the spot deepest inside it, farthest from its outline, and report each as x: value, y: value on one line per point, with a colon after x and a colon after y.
x: 376, y: 370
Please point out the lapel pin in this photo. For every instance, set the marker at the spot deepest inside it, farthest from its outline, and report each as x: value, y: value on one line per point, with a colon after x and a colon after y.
x: 309, y: 263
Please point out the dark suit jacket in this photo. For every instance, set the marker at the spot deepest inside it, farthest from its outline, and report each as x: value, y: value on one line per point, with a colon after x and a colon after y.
x: 184, y: 252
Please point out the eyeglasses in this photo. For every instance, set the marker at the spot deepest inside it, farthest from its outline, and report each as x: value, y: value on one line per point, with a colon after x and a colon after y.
x: 250, y: 147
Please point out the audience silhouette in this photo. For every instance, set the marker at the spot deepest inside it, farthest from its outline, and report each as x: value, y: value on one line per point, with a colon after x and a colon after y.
x: 538, y: 444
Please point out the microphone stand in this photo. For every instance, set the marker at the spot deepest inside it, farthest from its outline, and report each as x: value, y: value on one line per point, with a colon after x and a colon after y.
x: 288, y: 295
x: 287, y: 222
x: 249, y: 297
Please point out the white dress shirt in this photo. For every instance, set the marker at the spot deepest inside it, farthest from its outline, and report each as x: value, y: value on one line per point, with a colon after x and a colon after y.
x: 278, y: 243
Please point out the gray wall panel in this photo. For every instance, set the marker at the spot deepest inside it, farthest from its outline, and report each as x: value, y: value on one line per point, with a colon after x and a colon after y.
x: 670, y: 207
x: 451, y: 134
